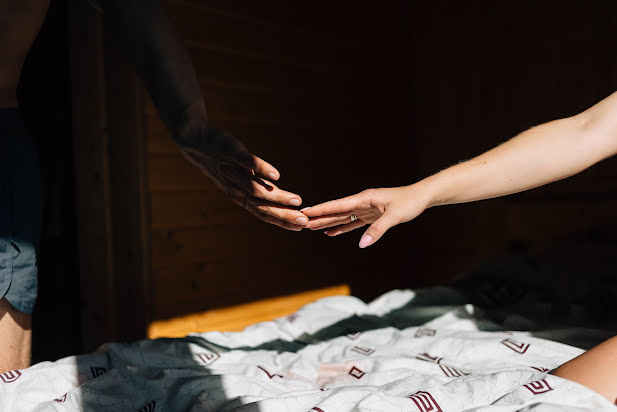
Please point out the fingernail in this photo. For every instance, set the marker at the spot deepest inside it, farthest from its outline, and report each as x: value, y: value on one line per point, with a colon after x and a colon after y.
x: 272, y: 175
x: 365, y: 241
x: 302, y: 221
x: 294, y: 202
x: 306, y: 208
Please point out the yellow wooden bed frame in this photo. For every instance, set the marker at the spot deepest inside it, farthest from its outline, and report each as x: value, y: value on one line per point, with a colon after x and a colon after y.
x: 235, y: 318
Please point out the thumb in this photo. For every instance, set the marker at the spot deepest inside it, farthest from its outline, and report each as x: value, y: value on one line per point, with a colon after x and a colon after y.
x: 377, y: 229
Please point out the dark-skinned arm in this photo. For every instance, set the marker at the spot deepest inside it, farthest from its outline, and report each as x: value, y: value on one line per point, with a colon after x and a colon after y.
x: 162, y: 62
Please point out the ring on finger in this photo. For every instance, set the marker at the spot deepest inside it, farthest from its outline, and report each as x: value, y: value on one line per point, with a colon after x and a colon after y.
x: 353, y: 217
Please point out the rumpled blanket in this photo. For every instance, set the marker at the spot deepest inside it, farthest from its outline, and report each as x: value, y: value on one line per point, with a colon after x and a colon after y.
x: 426, y: 351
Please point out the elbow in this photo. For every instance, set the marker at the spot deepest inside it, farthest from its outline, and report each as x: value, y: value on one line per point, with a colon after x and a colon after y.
x: 585, y: 122
x: 599, y: 129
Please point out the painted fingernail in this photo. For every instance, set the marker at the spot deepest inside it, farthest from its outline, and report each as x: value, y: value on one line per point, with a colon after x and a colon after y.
x: 302, y: 221
x: 294, y: 202
x: 365, y: 241
x: 272, y: 175
x: 306, y: 208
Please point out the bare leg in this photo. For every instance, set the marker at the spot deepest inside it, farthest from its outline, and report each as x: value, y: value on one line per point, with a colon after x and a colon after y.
x: 15, y: 337
x: 596, y: 369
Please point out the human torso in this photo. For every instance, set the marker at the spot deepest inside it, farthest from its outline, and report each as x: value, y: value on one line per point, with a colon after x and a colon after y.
x: 20, y: 22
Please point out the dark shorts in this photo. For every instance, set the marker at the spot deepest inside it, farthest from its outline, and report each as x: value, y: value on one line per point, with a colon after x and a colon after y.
x: 20, y: 212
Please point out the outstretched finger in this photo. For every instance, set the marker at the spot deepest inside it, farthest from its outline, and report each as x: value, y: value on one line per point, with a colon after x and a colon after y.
x: 258, y: 188
x: 258, y: 165
x: 262, y: 189
x: 345, y: 228
x: 282, y: 213
x: 321, y: 222
x: 376, y: 230
x: 268, y: 218
x: 345, y: 204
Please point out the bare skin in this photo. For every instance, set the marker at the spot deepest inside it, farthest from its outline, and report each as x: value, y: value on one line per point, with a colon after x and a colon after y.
x: 161, y: 60
x: 538, y: 156
x: 15, y: 337
x: 20, y: 22
x: 165, y: 67
x: 595, y: 369
x: 541, y: 155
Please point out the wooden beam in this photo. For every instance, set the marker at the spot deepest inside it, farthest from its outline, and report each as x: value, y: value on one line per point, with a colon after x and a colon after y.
x: 92, y: 179
x: 130, y: 199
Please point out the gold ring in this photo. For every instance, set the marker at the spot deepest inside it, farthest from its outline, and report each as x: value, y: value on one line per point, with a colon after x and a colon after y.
x: 353, y: 217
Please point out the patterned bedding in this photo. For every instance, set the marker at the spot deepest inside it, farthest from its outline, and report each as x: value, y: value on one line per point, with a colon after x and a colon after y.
x: 424, y: 351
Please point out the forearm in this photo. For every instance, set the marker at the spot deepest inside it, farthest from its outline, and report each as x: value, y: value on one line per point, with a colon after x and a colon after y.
x: 541, y: 155
x: 161, y: 60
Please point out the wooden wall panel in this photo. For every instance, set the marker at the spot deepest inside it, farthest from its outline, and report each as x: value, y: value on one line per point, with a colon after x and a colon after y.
x: 484, y: 71
x: 261, y: 39
x: 111, y: 189
x: 345, y: 96
x: 130, y: 203
x: 298, y: 91
x: 340, y: 97
x: 542, y: 221
x: 92, y: 184
x: 187, y: 288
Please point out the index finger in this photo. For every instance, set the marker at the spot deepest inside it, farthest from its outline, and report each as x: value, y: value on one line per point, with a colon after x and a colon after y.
x: 259, y: 165
x: 342, y: 205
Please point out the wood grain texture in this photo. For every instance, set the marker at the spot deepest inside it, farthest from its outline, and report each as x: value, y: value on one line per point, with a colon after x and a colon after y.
x: 238, y: 317
x: 486, y: 71
x: 129, y: 194
x: 92, y: 176
x: 367, y: 96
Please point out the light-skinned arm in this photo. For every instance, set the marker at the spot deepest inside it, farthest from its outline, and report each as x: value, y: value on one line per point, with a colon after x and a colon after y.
x: 540, y: 155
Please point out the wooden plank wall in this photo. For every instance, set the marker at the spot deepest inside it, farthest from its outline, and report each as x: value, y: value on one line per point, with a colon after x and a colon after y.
x: 484, y: 71
x: 97, y: 282
x: 340, y: 96
x: 344, y: 97
x: 110, y: 174
x: 301, y: 84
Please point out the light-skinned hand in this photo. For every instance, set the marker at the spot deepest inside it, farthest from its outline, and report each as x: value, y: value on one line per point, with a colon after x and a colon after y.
x: 380, y: 208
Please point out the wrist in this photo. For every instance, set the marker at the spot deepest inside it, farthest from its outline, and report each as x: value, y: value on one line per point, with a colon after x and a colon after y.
x: 430, y: 191
x: 191, y: 126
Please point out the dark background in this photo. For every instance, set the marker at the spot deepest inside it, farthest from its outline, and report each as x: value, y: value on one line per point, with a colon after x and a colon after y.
x: 44, y: 98
x: 432, y: 83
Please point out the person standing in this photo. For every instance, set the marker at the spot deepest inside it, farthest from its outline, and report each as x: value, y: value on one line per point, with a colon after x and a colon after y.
x: 165, y: 68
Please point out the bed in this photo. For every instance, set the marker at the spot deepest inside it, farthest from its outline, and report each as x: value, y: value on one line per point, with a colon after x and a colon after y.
x: 427, y: 350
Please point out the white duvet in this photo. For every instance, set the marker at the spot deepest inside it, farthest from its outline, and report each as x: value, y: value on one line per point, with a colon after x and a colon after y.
x: 405, y: 351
